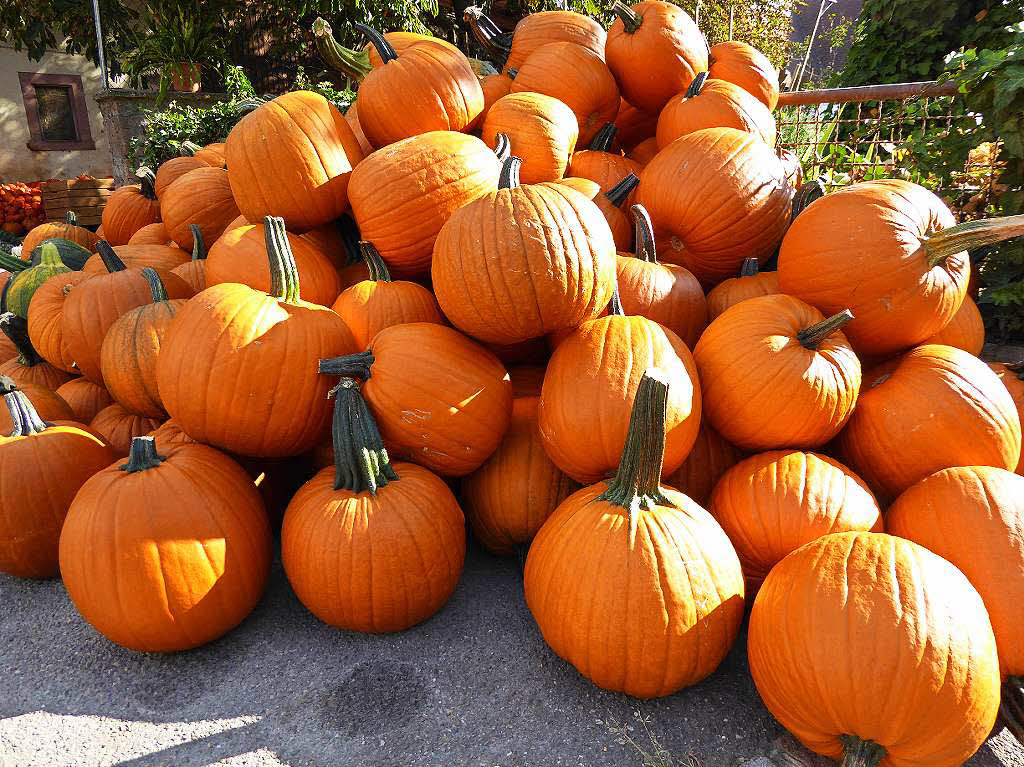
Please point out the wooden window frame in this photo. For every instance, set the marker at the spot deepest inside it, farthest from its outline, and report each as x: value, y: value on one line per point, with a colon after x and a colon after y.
x: 79, y: 111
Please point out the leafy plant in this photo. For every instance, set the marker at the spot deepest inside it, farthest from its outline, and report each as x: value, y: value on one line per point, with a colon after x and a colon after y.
x: 65, y: 25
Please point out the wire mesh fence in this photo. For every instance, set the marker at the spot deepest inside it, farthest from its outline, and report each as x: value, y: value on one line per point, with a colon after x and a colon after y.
x: 846, y: 135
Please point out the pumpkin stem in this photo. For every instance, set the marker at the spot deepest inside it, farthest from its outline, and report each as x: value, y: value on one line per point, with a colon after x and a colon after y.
x: 350, y: 366
x: 71, y: 218
x: 284, y: 276
x: 156, y: 285
x: 643, y: 230
x: 49, y: 255
x: 1011, y: 706
x: 615, y: 304
x: 697, y: 85
x: 811, y: 337
x: 749, y: 268
x: 109, y: 258
x: 378, y: 269
x: 511, y: 73
x: 16, y: 329
x: 142, y: 455
x: 384, y: 49
x: 13, y: 264
x: 509, y: 178
x: 198, y: 246
x: 188, y: 148
x: 502, y: 147
x: 487, y: 34
x: 350, y: 238
x: 637, y: 483
x: 602, y: 141
x: 631, y: 21
x: 24, y: 418
x: 805, y: 195
x: 353, y: 64
x: 147, y: 178
x: 970, y: 235
x: 361, y: 462
x: 618, y: 193
x: 858, y: 752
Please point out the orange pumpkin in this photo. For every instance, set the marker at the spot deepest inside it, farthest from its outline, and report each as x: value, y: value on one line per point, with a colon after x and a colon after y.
x: 164, y: 257
x: 709, y: 459
x: 633, y: 126
x: 610, y: 204
x: 49, y: 405
x: 214, y: 155
x: 495, y: 88
x: 119, y: 427
x: 193, y: 272
x: 202, y: 198
x: 352, y: 118
x: 965, y: 331
x: 539, y: 29
x: 540, y: 129
x: 85, y: 398
x: 185, y: 572
x: 743, y: 65
x: 643, y: 152
x: 173, y: 169
x: 46, y: 320
x: 1012, y: 376
x: 151, y: 234
x: 28, y: 368
x: 68, y: 229
x: 130, y: 208
x: 714, y: 104
x: 750, y: 284
x: 600, y: 164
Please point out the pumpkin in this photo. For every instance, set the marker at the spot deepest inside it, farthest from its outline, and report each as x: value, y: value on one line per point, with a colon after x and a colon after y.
x: 214, y: 154
x: 576, y: 77
x: 610, y: 204
x: 590, y: 385
x: 523, y: 261
x: 709, y: 459
x: 751, y: 283
x: 368, y: 545
x: 654, y: 49
x: 72, y: 255
x: 643, y: 152
x: 900, y: 431
x: 237, y: 364
x: 1012, y: 377
x: 305, y: 133
x: 633, y: 126
x: 185, y: 572
x: 28, y: 367
x: 131, y: 347
x: 42, y: 466
x: 540, y: 129
x: 508, y: 498
x: 973, y: 517
x: 632, y: 582
x: 775, y: 373
x: 534, y: 350
x: 49, y: 405
x: 163, y: 257
x: 743, y: 65
x: 46, y: 320
x: 96, y: 304
x: 401, y: 198
x: 85, y: 398
x: 526, y: 380
x: 193, y: 272
x: 151, y: 234
x: 772, y: 503
x: 68, y: 229
x: 338, y: 240
x: 119, y: 427
x: 130, y: 208
x: 352, y: 118
x: 600, y: 164
x: 173, y: 169
x: 429, y: 87
x: 723, y: 194
x: 19, y: 293
x: 966, y: 330
x: 452, y: 414
x: 203, y: 198
x: 538, y: 29
x: 665, y: 293
x: 495, y: 88
x: 714, y: 104
x: 380, y: 302
x: 243, y: 256
x: 844, y: 621
x: 889, y: 251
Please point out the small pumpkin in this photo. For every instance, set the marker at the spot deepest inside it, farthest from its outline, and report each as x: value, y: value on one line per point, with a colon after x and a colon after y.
x: 742, y: 64
x: 714, y: 104
x: 194, y: 272
x: 633, y: 126
x: 201, y: 197
x: 119, y: 426
x: 966, y: 330
x: 46, y: 321
x: 85, y: 398
x: 709, y: 459
x: 49, y: 405
x: 599, y: 163
x: 28, y: 367
x: 68, y: 229
x: 643, y: 152
x: 1012, y: 376
x: 213, y: 154
x: 173, y: 169
x: 540, y: 129
x: 18, y: 296
x: 610, y: 204
x: 130, y: 208
x: 151, y: 234
x: 751, y: 283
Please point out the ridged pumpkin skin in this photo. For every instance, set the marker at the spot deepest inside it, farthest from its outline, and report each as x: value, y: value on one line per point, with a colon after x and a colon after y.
x: 168, y: 558
x: 773, y: 503
x: 193, y: 273
x: 522, y: 262
x: 50, y: 406
x: 302, y: 132
x: 202, y: 197
x: 643, y: 152
x: 665, y: 293
x: 541, y: 130
x: 401, y: 41
x: 31, y: 370
x: 370, y: 306
x: 577, y: 78
x: 719, y: 104
x: 742, y: 64
x: 153, y: 234
x: 18, y: 294
x: 900, y: 431
x: 658, y: 59
x: 46, y: 316
x: 240, y: 255
x: 847, y: 619
x: 736, y: 289
x: 402, y: 197
x: 85, y: 398
x: 709, y: 459
x: 508, y: 498
x: 129, y: 209
x: 589, y: 387
x: 617, y: 220
x: 376, y: 563
x: 973, y: 516
x: 606, y: 168
x: 165, y: 257
x: 860, y: 248
x: 62, y: 229
x: 173, y: 169
x: 1013, y: 380
x: 763, y: 388
x: 119, y: 427
x: 723, y: 194
x: 545, y: 27
x: 213, y: 154
x: 965, y: 331
x: 494, y: 87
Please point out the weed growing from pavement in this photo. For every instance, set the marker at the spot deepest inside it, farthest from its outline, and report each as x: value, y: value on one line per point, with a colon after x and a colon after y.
x: 653, y: 755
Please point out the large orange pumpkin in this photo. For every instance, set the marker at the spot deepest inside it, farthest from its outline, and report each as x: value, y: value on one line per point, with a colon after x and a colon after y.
x: 130, y: 208
x: 1012, y: 377
x: 201, y: 198
x: 965, y: 331
x: 85, y: 398
x: 709, y: 459
x: 42, y: 466
x: 46, y: 318
x: 538, y: 29
x: 714, y: 104
x: 935, y: 408
x: 119, y: 426
x: 28, y: 367
x: 742, y: 64
x: 303, y: 132
x: 173, y: 169
x: 183, y: 573
x: 523, y: 261
x: 632, y: 582
x: 541, y: 130
x: 751, y: 283
x: 846, y: 620
x: 68, y: 229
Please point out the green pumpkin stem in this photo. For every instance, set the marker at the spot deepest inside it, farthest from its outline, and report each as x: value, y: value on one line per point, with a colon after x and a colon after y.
x: 486, y: 33
x: 637, y: 483
x: 618, y: 193
x: 16, y: 329
x: 812, y: 336
x: 361, y: 462
x: 378, y: 269
x: 188, y: 148
x: 147, y: 178
x: 156, y: 285
x: 1011, y: 706
x: 643, y: 229
x: 350, y: 366
x: 970, y: 235
x: 49, y: 255
x: 509, y: 177
x: 858, y: 752
x: 502, y: 147
x: 750, y: 267
x: 631, y: 21
x: 602, y: 141
x: 13, y: 264
x: 198, y: 245
x: 142, y: 455
x: 24, y: 418
x: 805, y: 195
x: 109, y: 258
x: 71, y: 218
x: 355, y: 65
x: 697, y: 85
x: 284, y: 276
x: 384, y: 49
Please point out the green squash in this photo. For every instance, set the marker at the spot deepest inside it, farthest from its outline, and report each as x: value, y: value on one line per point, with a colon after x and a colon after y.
x: 72, y: 254
x: 24, y: 285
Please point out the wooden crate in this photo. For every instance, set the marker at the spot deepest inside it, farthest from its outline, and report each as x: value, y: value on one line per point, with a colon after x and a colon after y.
x: 86, y: 197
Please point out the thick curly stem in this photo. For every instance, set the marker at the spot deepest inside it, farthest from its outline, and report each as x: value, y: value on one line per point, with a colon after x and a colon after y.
x: 805, y: 195
x: 384, y: 49
x: 618, y: 193
x: 142, y: 455
x: 615, y: 303
x: 970, y: 235
x: 811, y: 337
x: 486, y: 33
x: 188, y: 148
x: 353, y: 64
x: 860, y: 753
x: 378, y: 269
x: 509, y: 177
x: 361, y: 463
x: 13, y: 264
x: 631, y: 21
x: 643, y: 230
x: 25, y: 421
x: 147, y: 179
x: 71, y: 218
x: 284, y: 276
x: 502, y: 147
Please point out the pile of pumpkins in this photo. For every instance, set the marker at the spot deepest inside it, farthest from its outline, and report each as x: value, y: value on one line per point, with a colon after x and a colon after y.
x: 533, y: 300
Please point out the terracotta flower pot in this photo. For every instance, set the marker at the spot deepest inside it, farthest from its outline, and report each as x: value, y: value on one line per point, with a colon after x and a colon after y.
x: 185, y: 77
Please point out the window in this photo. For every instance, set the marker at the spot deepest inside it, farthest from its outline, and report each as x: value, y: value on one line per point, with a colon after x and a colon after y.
x: 58, y: 118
